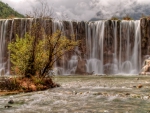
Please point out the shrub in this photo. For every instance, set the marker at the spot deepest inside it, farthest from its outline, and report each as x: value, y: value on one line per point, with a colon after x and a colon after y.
x: 9, y: 84
x: 33, y: 54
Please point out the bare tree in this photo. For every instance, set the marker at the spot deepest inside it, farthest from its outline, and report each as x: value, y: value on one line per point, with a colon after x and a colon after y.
x: 44, y: 11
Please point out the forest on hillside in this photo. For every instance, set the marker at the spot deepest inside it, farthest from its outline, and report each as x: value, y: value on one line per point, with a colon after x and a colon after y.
x: 7, y: 12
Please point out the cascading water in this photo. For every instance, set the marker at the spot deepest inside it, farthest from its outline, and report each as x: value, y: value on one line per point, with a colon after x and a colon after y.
x: 129, y: 62
x: 69, y: 66
x: 104, y: 41
x: 95, y: 47
x: 136, y: 56
x: 3, y: 59
x: 9, y: 66
x: 57, y: 25
x: 112, y: 47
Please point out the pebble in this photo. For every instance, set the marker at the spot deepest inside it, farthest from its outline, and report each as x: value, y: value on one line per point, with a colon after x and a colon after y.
x: 140, y: 86
x: 74, y: 92
x: 127, y: 94
x: 98, y: 93
x: 146, y: 97
x: 10, y: 102
x: 7, y: 106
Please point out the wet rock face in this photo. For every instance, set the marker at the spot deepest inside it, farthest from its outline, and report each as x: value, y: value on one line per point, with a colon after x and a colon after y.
x: 109, y: 42
x: 144, y: 34
x: 145, y: 45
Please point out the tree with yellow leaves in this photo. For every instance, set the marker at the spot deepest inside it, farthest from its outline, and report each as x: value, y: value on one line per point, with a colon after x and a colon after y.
x: 31, y: 54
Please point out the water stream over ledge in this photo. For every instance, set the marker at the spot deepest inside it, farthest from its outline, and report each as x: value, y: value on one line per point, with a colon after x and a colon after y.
x: 85, y: 94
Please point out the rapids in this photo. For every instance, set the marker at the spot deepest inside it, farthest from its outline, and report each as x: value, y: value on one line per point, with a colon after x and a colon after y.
x: 85, y: 94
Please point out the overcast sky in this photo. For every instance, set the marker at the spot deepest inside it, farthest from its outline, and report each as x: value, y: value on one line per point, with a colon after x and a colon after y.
x: 82, y: 9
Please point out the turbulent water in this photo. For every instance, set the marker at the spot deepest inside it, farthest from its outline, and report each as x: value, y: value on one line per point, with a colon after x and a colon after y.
x: 112, y: 47
x: 85, y: 94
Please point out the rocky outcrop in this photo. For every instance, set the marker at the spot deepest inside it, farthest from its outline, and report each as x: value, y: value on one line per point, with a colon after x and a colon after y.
x: 145, y: 46
x: 144, y: 34
x: 81, y: 66
x: 146, y: 68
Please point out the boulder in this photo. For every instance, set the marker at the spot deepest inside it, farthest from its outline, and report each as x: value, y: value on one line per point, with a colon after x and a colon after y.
x: 10, y: 102
x: 81, y: 67
x: 146, y: 68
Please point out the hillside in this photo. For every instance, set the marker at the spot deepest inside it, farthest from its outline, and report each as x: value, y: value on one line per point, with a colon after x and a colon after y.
x: 7, y: 12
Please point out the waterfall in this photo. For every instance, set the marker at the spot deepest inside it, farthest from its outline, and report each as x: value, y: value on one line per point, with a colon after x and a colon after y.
x: 136, y: 56
x: 3, y: 59
x: 112, y: 47
x: 10, y: 36
x: 125, y: 64
x: 68, y: 66
x: 115, y: 61
x: 131, y: 62
x: 57, y: 25
x: 124, y: 46
x: 95, y: 47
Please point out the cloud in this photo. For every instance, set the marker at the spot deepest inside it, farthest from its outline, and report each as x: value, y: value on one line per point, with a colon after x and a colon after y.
x: 85, y: 9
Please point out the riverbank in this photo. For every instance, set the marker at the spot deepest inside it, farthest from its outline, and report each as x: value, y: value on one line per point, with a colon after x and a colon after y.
x: 4, y: 93
x: 104, y: 94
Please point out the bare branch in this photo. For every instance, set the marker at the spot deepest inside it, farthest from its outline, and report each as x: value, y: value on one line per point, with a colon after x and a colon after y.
x: 45, y: 11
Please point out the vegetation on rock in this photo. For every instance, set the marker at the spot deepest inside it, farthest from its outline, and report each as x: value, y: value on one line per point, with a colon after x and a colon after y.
x: 127, y: 17
x: 23, y: 84
x: 114, y: 18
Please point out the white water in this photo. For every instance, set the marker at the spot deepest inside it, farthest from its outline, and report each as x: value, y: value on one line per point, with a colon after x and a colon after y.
x: 132, y: 62
x: 85, y: 94
x: 95, y: 47
x: 69, y: 66
x: 127, y: 61
x: 9, y: 62
x: 3, y: 60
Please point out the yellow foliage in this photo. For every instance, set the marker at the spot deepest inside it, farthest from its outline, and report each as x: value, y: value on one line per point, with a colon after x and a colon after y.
x: 46, y: 52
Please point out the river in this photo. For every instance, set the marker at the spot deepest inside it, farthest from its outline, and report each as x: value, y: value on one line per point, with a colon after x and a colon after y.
x: 85, y: 94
